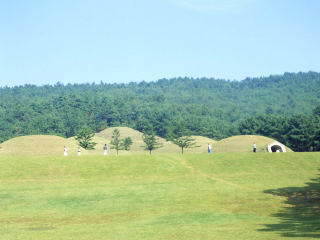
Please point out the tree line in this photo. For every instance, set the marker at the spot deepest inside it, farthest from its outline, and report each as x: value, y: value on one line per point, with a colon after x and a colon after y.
x: 299, y: 132
x: 215, y: 108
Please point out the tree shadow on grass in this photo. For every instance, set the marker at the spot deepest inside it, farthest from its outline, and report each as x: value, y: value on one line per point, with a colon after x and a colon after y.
x: 301, y: 218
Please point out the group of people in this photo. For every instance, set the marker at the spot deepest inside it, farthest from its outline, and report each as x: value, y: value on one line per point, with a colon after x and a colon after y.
x: 66, y: 150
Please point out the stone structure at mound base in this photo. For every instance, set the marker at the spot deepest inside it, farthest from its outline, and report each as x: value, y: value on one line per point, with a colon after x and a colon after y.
x: 276, y: 147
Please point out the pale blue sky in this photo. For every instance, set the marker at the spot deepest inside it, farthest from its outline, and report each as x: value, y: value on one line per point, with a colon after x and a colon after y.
x: 44, y: 41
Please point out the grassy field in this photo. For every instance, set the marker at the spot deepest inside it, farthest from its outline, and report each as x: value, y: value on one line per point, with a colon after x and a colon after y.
x: 197, y: 196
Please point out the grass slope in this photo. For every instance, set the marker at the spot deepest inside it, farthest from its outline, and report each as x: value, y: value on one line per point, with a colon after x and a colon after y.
x: 35, y: 145
x: 135, y: 135
x: 201, y: 196
x: 244, y: 143
x: 202, y: 144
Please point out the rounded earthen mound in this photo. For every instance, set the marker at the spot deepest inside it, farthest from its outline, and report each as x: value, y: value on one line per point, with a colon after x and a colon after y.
x: 136, y: 136
x: 35, y: 145
x: 244, y: 143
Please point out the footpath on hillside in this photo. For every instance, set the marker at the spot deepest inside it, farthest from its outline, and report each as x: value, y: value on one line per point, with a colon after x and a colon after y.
x: 210, y: 176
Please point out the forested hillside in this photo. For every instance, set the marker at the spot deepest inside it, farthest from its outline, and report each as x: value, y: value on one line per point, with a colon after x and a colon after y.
x: 207, y: 107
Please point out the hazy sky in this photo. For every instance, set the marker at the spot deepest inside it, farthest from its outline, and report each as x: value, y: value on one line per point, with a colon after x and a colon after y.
x: 44, y: 41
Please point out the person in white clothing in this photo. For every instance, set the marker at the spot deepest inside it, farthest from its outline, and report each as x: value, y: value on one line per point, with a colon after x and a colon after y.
x: 79, y: 151
x: 105, y: 149
x: 209, y: 148
x: 254, y: 148
x: 65, y: 151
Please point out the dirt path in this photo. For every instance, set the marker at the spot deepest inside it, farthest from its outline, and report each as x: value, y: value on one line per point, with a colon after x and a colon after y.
x: 210, y: 176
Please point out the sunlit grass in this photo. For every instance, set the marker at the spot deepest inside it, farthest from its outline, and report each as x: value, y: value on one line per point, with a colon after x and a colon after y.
x: 217, y: 196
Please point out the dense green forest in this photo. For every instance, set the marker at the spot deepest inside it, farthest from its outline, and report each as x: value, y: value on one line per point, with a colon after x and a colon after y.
x: 300, y: 132
x: 215, y: 108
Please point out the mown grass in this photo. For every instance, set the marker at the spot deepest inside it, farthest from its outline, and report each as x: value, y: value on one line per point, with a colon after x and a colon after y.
x: 218, y: 196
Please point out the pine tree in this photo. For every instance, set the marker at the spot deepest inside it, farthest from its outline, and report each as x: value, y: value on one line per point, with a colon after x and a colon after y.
x: 151, y: 142
x: 84, y: 138
x: 185, y: 142
x: 127, y: 142
x: 116, y: 142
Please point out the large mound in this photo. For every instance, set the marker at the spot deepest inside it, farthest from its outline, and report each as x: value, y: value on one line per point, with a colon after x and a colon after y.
x: 136, y: 137
x: 244, y: 143
x: 202, y: 144
x: 124, y: 132
x: 203, y: 140
x: 168, y: 147
x: 35, y: 145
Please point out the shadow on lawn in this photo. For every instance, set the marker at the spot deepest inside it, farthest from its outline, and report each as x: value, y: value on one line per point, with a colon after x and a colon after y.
x: 302, y: 217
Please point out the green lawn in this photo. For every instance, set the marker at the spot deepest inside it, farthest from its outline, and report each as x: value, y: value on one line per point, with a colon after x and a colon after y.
x: 219, y: 196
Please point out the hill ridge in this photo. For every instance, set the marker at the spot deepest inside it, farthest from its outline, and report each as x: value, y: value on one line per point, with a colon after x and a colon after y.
x: 204, y: 106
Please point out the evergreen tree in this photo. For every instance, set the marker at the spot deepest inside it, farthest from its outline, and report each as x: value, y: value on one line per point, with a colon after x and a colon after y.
x: 303, y: 133
x: 179, y: 135
x: 316, y: 111
x: 185, y: 142
x: 206, y: 107
x: 151, y: 142
x: 116, y: 142
x: 127, y: 142
x: 84, y: 138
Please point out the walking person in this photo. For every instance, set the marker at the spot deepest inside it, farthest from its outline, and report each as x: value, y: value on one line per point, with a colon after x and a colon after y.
x: 65, y: 151
x: 105, y: 149
x: 79, y: 151
x: 254, y: 148
x: 209, y: 148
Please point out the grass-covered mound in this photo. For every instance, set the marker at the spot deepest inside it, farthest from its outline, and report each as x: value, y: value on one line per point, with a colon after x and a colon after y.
x: 124, y: 132
x: 35, y: 145
x: 168, y: 146
x: 136, y: 136
x: 47, y: 145
x: 201, y: 196
x: 202, y: 144
x: 244, y: 143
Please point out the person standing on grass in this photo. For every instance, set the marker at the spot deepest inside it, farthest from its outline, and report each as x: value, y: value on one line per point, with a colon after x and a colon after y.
x: 79, y: 151
x: 209, y: 148
x: 65, y: 151
x: 254, y: 148
x: 105, y: 149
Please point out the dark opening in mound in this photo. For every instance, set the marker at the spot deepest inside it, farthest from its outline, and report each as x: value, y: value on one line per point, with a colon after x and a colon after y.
x: 276, y: 148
